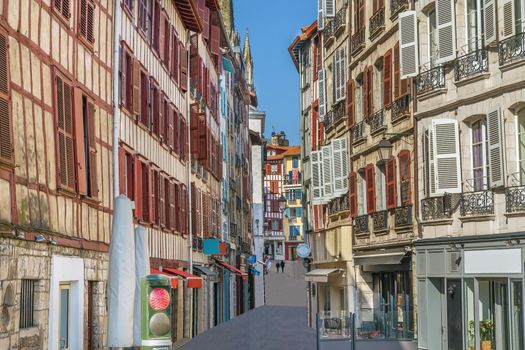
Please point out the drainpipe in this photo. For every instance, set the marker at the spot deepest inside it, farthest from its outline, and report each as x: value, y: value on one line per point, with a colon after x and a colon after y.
x: 188, y: 164
x: 116, y: 112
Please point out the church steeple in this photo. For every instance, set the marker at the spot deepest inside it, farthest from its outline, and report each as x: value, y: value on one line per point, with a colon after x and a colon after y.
x: 248, y: 61
x: 227, y: 16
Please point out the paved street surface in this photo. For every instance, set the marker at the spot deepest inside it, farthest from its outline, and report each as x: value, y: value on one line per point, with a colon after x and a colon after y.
x: 280, y: 325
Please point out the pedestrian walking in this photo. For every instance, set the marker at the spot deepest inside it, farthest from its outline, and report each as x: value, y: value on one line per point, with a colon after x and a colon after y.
x: 277, y: 266
x: 267, y: 265
x: 282, y: 266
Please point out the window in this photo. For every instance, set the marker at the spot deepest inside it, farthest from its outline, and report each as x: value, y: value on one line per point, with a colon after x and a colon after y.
x: 127, y: 173
x: 64, y: 315
x: 480, y: 173
x: 167, y: 41
x: 6, y: 141
x: 276, y: 225
x: 359, y: 15
x: 404, y: 177
x: 361, y: 193
x: 339, y: 74
x: 305, y: 67
x: 378, y: 5
x: 521, y: 146
x: 379, y: 83
x: 156, y: 32
x: 129, y: 5
x: 63, y: 8
x: 145, y: 17
x: 64, y: 115
x: 27, y: 303
x: 175, y: 56
x: 86, y: 21
x: 432, y: 38
x: 294, y: 232
x: 126, y: 79
x: 381, y: 188
x: 274, y: 169
x: 90, y: 148
x: 474, y: 34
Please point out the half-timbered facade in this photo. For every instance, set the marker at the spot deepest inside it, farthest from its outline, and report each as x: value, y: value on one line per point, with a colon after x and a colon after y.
x: 55, y: 171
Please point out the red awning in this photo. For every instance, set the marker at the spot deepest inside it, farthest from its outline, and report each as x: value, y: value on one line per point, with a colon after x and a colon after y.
x: 193, y: 281
x: 174, y: 280
x: 233, y: 269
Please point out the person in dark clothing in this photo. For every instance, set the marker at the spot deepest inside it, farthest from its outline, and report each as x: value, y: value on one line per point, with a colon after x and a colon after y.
x: 277, y: 265
x: 282, y: 266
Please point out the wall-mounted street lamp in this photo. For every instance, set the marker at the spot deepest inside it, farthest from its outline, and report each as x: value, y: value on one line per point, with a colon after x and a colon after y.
x: 384, y: 150
x: 282, y: 203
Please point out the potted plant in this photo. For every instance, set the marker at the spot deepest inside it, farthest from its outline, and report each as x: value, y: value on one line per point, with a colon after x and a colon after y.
x: 471, y: 335
x: 486, y: 329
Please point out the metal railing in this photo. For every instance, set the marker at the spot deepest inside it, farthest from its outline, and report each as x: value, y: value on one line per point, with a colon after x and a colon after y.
x: 403, y: 216
x: 293, y: 181
x: 515, y: 194
x: 328, y: 120
x: 361, y: 224
x: 430, y: 80
x: 511, y: 49
x: 436, y: 208
x: 357, y: 41
x: 377, y: 22
x: 477, y: 203
x: 328, y: 33
x: 380, y: 220
x: 358, y: 133
x: 471, y: 64
x: 376, y: 121
x: 339, y: 111
x: 338, y: 205
x: 340, y: 20
x: 400, y: 108
x: 396, y: 6
x: 335, y: 324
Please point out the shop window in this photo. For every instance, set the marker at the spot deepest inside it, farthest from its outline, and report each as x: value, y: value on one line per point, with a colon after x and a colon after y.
x: 27, y: 303
x: 64, y: 313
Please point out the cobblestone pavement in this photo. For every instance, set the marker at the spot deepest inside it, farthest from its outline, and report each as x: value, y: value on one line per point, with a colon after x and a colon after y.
x: 280, y: 325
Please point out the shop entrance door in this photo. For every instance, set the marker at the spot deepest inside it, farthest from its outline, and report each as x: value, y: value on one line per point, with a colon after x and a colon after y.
x: 454, y: 310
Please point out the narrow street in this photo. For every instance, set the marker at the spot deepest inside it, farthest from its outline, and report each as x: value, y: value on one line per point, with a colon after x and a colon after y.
x: 268, y: 327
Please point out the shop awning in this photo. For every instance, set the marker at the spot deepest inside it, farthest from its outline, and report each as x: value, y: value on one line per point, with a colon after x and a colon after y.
x: 380, y: 257
x: 193, y: 281
x: 174, y: 280
x: 205, y: 270
x: 233, y: 269
x: 227, y: 65
x: 319, y: 275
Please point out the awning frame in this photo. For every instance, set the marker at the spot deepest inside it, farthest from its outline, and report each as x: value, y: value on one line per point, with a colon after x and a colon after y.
x: 192, y: 280
x: 321, y: 275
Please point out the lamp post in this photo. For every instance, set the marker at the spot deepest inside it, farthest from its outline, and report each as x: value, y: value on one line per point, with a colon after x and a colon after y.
x: 384, y: 150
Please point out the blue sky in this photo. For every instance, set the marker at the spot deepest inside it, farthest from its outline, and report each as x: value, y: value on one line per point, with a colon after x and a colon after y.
x: 273, y: 24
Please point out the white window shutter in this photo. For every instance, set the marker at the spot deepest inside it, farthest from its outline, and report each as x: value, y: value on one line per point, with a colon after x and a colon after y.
x: 408, y: 42
x: 317, y: 187
x: 343, y: 73
x: 446, y: 28
x: 337, y: 166
x: 320, y: 18
x: 509, y: 18
x: 329, y: 8
x: 431, y: 164
x: 327, y: 173
x: 344, y: 161
x: 321, y: 92
x: 446, y: 156
x: 495, y: 140
x: 489, y: 13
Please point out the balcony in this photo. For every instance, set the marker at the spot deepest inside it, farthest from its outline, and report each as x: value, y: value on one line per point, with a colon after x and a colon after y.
x: 431, y: 80
x: 377, y: 22
x: 338, y: 205
x: 328, y: 33
x: 328, y: 120
x: 197, y: 244
x: 515, y: 194
x: 400, y: 108
x: 292, y: 181
x: 380, y: 221
x: 340, y: 21
x: 511, y: 49
x: 376, y: 122
x: 471, y: 64
x: 339, y: 112
x: 477, y: 203
x: 357, y: 41
x: 358, y: 132
x: 361, y: 224
x: 436, y: 208
x: 403, y: 216
x: 396, y: 6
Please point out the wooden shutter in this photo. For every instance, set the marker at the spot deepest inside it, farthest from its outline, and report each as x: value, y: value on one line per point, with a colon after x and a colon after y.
x: 136, y: 87
x: 387, y: 78
x: 147, y: 182
x: 6, y: 141
x: 408, y: 40
x: 175, y: 56
x: 405, y: 177
x: 139, y: 193
x: 370, y: 189
x: 350, y: 103
x: 327, y: 172
x: 63, y: 7
x: 167, y: 42
x: 163, y: 199
x: 122, y: 170
x: 362, y: 18
x: 215, y: 40
x: 352, y: 192
x: 446, y: 156
x: 65, y: 134
x: 92, y: 151
x: 496, y: 144
x: 206, y: 22
x: 340, y: 166
x: 397, y: 77
x: 90, y: 22
x: 446, y: 30
x: 183, y: 68
x: 321, y: 91
x: 329, y: 8
x: 162, y: 35
x: 509, y: 18
x: 80, y: 155
x: 489, y: 23
x: 320, y: 15
x: 391, y: 182
x: 317, y: 187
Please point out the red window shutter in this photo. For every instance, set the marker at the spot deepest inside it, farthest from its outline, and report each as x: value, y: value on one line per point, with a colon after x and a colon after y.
x: 175, y: 56
x: 215, y: 40
x: 167, y: 42
x: 81, y: 163
x: 154, y: 202
x: 92, y: 151
x: 352, y: 190
x: 370, y: 90
x: 350, y: 103
x: 391, y: 190
x: 65, y: 134
x: 397, y: 88
x: 144, y: 98
x: 156, y: 26
x: 155, y: 103
x: 90, y: 22
x: 404, y: 174
x: 370, y: 189
x: 130, y: 176
x: 204, y: 12
x: 387, y: 78
x: 139, y: 200
x: 136, y: 87
x: 6, y: 140
x: 183, y: 68
x: 161, y: 209
x: 122, y: 170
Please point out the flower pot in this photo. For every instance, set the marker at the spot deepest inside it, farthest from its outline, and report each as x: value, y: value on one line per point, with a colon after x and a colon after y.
x: 486, y: 345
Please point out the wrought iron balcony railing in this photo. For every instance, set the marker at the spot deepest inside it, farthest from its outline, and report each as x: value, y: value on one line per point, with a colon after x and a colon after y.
x: 357, y: 41
x: 361, y: 224
x: 400, y: 108
x: 340, y: 20
x: 430, y: 80
x: 376, y: 121
x: 338, y: 112
x: 477, y: 203
x: 403, y: 216
x: 471, y: 64
x: 358, y: 132
x: 328, y: 33
x: 436, y: 208
x: 380, y: 220
x: 511, y: 49
x: 377, y: 22
x: 515, y: 199
x: 396, y: 6
x: 328, y: 120
x: 339, y: 204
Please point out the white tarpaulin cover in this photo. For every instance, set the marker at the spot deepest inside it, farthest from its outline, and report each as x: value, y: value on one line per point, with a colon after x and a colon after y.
x: 141, y: 270
x: 121, y: 285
